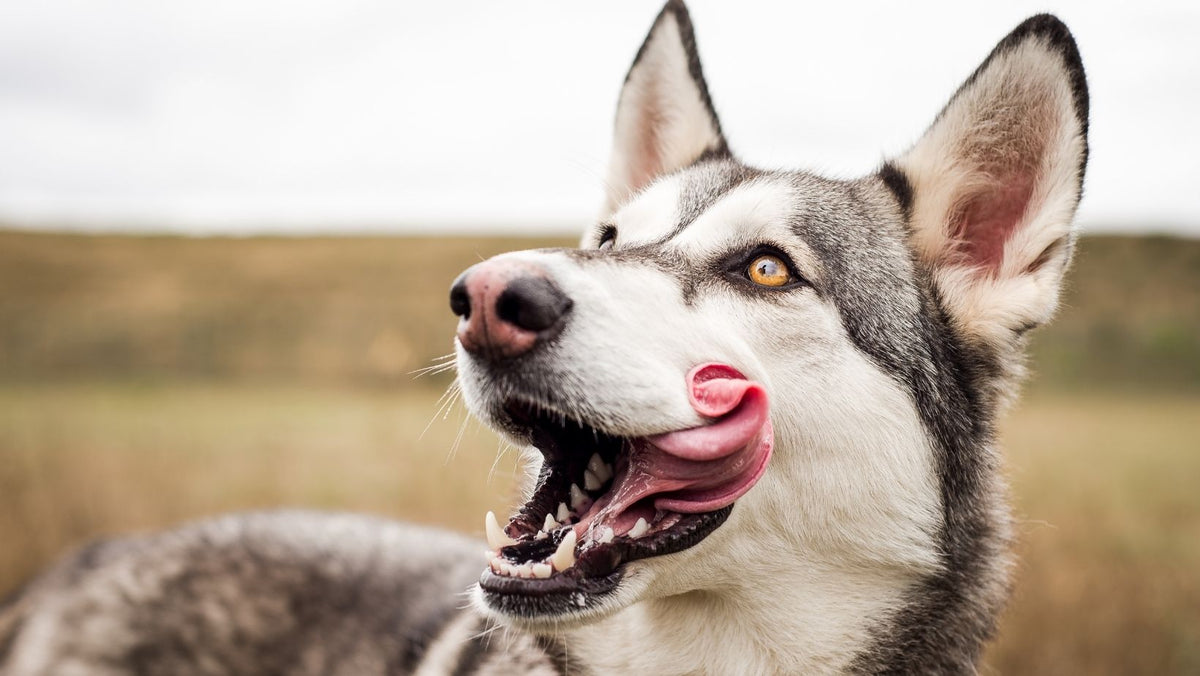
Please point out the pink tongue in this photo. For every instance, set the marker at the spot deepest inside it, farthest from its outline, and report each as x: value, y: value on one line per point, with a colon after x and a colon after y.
x: 704, y: 468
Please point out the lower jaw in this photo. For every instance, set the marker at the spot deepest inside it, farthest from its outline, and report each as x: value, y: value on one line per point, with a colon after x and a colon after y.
x: 589, y: 586
x: 552, y: 601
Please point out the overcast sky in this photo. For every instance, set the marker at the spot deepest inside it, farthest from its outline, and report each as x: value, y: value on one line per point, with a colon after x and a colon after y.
x: 340, y: 115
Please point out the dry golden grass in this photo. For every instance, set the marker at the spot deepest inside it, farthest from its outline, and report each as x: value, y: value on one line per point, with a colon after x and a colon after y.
x: 332, y: 310
x: 82, y: 460
x: 144, y: 381
x: 1104, y: 486
x: 1108, y: 511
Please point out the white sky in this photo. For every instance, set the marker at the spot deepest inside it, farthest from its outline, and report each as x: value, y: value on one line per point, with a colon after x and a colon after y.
x: 348, y: 115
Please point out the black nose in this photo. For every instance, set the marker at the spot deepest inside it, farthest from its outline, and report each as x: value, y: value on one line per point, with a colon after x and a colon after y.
x: 531, y: 303
x: 460, y: 299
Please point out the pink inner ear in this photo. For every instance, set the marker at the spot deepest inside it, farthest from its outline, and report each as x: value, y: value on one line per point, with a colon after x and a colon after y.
x: 988, y: 219
x: 646, y: 163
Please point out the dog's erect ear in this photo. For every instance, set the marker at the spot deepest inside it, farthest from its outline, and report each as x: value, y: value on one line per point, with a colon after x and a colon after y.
x: 992, y: 186
x: 665, y: 119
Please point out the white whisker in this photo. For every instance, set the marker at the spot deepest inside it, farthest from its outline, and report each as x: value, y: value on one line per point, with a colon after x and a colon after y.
x: 443, y: 404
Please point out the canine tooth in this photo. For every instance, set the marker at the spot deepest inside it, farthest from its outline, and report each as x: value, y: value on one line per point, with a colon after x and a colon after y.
x: 639, y: 529
x: 541, y: 535
x: 564, y: 512
x: 564, y: 556
x: 591, y: 481
x: 496, y: 536
x: 605, y: 535
x: 579, y: 500
x: 541, y: 570
x: 601, y: 469
x: 550, y: 524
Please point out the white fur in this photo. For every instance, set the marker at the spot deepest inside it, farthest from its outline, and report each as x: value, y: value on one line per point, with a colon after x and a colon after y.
x: 648, y: 218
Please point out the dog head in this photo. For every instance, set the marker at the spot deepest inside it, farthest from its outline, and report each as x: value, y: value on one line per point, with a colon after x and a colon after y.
x: 746, y: 377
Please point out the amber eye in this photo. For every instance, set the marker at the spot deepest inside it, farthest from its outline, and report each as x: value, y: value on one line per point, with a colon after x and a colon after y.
x: 768, y: 270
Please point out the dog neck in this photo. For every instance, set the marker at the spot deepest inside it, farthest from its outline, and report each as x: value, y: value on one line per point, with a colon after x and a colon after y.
x: 790, y: 595
x: 803, y: 623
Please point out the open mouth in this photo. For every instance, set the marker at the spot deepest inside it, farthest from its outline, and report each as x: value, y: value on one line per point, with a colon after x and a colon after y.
x: 603, y: 501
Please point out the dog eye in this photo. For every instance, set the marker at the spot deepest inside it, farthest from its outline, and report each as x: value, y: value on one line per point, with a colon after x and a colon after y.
x: 608, y: 238
x: 768, y: 270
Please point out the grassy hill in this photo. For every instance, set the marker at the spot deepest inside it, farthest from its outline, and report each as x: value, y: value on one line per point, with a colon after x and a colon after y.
x: 370, y: 310
x: 1130, y: 317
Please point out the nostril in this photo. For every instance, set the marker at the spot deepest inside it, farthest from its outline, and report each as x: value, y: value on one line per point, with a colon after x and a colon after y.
x: 532, y: 303
x: 460, y: 300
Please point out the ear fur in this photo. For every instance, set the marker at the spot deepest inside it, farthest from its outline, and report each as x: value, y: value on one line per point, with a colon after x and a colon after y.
x: 995, y: 182
x: 665, y: 119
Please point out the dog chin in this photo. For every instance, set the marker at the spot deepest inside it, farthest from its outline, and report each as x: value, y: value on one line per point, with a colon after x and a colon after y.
x: 570, y: 611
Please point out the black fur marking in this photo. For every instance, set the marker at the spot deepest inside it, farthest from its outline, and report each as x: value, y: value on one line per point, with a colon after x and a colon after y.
x: 928, y: 635
x: 942, y: 628
x: 896, y: 181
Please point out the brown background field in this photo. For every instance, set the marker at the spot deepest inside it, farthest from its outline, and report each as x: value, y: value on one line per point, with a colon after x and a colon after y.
x: 146, y: 380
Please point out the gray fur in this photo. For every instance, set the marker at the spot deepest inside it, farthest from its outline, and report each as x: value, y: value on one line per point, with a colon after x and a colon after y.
x: 263, y: 593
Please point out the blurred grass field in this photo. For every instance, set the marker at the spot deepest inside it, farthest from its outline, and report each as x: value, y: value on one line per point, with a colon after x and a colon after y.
x: 148, y: 380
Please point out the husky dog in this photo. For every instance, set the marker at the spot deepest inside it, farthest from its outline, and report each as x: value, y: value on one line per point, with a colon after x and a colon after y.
x: 761, y: 406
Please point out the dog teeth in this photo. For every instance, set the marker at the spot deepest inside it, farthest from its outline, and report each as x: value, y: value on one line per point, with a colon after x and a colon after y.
x: 564, y: 512
x: 579, y: 500
x: 591, y: 481
x: 604, y: 535
x: 496, y: 536
x: 564, y: 556
x: 562, y: 559
x: 639, y: 529
x: 526, y: 570
x: 550, y: 523
x: 598, y: 467
x: 541, y: 535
